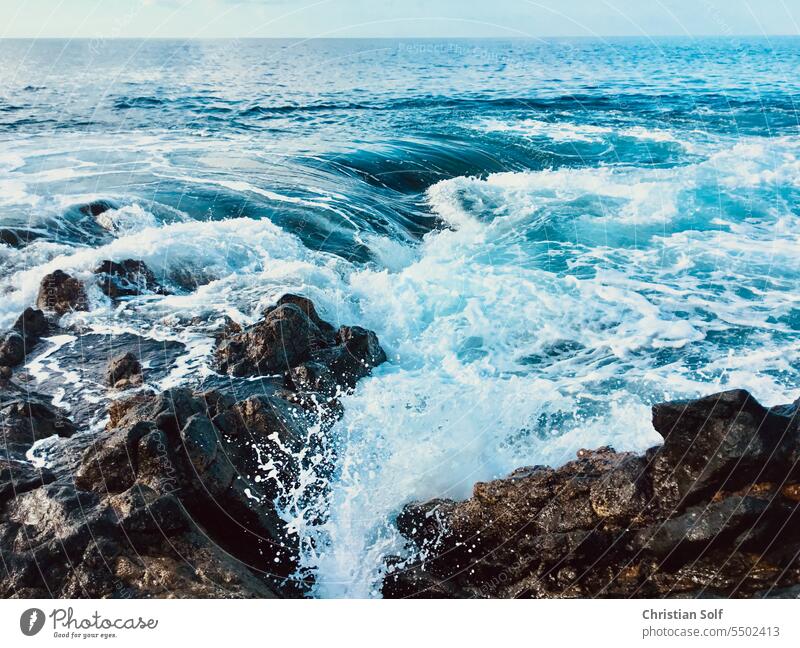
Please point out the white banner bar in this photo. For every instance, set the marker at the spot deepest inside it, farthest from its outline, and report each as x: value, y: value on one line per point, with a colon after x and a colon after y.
x: 425, y: 623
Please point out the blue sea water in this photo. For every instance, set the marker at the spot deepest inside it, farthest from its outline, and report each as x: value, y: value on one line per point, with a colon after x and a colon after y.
x: 547, y: 235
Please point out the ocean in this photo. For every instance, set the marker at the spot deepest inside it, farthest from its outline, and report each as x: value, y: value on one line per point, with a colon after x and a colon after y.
x: 548, y: 236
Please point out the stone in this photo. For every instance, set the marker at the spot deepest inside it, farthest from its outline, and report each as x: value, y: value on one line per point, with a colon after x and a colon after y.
x: 294, y: 341
x: 723, y: 441
x: 127, y: 278
x: 124, y: 371
x: 60, y: 293
x: 711, y: 512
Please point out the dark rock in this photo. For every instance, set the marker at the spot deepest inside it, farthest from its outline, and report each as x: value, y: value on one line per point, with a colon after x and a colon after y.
x: 32, y: 325
x: 311, y: 377
x: 169, y: 484
x: 127, y: 278
x: 59, y: 293
x: 307, y: 306
x: 12, y: 349
x: 282, y: 340
x: 124, y: 371
x: 96, y: 207
x: 226, y: 329
x: 26, y: 333
x: 356, y: 354
x: 293, y: 340
x: 199, y: 438
x: 209, y: 452
x: 17, y: 477
x: 190, y: 278
x: 26, y: 418
x: 17, y: 237
x: 723, y: 441
x: 110, y: 464
x: 726, y: 523
x: 61, y: 542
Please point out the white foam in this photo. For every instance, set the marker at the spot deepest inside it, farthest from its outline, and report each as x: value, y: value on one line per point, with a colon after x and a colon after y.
x: 126, y: 220
x: 456, y: 405
x: 252, y: 260
x: 556, y: 131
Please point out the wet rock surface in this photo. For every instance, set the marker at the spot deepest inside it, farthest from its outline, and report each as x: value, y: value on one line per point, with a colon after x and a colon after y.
x: 127, y: 278
x: 161, y: 503
x: 124, y: 371
x: 20, y: 340
x: 174, y: 497
x: 17, y: 237
x: 711, y: 512
x: 291, y: 339
x: 27, y: 417
x: 60, y: 293
x: 83, y: 362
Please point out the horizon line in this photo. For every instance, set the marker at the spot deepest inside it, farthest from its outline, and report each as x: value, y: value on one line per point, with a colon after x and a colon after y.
x: 487, y: 37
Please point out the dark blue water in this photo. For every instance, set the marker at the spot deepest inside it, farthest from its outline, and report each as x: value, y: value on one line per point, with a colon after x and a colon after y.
x: 548, y: 236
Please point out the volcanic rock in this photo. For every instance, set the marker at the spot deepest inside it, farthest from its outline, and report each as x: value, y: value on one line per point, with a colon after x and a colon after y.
x: 29, y: 328
x: 124, y: 371
x: 25, y: 418
x: 127, y: 278
x: 60, y: 293
x: 292, y: 339
x: 711, y: 512
x: 178, y: 496
x: 17, y: 237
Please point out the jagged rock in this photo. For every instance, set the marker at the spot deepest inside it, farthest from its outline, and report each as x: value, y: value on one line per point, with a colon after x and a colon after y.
x: 17, y: 237
x: 178, y: 495
x: 26, y: 333
x: 127, y: 278
x: 97, y: 207
x: 26, y: 418
x: 17, y: 477
x: 733, y: 522
x: 617, y: 525
x: 60, y: 293
x: 124, y: 371
x: 60, y: 541
x: 356, y: 352
x: 311, y: 377
x: 293, y: 340
x: 207, y: 451
x: 32, y: 325
x: 168, y: 484
x: 307, y: 306
x: 12, y: 349
x: 282, y: 340
x: 726, y: 440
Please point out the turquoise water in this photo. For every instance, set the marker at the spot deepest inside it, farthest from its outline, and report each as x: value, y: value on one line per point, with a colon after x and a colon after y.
x: 548, y: 236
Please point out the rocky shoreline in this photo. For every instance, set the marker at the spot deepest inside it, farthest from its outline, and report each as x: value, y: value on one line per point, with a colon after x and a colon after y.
x: 713, y: 512
x: 176, y: 495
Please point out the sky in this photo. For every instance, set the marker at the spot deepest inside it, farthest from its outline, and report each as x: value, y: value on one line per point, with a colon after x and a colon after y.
x: 394, y: 18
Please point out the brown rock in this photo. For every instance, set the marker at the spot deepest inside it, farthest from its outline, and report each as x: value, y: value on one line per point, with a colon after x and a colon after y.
x: 60, y: 293
x: 617, y: 524
x: 124, y: 371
